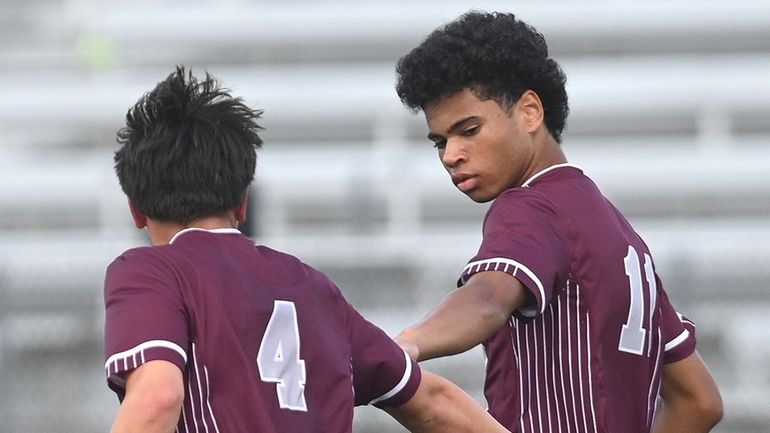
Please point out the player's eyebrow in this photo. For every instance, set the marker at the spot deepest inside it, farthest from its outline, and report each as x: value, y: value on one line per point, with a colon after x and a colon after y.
x: 457, y: 126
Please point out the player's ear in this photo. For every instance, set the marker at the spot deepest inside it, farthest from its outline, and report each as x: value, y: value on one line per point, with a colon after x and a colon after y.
x: 531, y: 109
x: 140, y: 220
x: 240, y: 210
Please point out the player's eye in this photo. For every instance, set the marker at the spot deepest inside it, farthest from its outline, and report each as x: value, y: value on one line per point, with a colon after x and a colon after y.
x: 473, y: 130
x: 439, y: 143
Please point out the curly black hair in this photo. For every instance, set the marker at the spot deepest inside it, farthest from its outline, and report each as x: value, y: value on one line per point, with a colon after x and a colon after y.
x: 188, y: 149
x: 491, y: 53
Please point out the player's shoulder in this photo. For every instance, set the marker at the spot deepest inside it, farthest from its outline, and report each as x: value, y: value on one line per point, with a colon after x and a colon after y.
x: 278, y: 258
x: 289, y: 264
x: 520, y: 201
x: 138, y: 255
x: 540, y: 198
x: 152, y: 260
x: 548, y: 187
x: 148, y: 268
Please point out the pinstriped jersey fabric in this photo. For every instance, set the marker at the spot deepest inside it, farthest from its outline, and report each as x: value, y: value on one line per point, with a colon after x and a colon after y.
x: 585, y: 355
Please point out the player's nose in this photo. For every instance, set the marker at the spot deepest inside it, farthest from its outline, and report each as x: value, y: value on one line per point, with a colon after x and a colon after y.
x: 452, y: 155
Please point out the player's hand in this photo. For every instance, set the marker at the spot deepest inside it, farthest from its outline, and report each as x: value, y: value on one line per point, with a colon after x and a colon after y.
x: 409, y: 346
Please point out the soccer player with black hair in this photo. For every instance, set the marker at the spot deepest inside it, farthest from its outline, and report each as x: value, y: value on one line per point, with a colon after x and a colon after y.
x: 206, y: 331
x: 563, y: 294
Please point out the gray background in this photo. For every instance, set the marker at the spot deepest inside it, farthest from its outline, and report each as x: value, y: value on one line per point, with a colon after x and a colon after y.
x: 670, y: 110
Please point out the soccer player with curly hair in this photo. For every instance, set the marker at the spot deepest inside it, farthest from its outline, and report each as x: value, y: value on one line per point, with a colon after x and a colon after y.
x: 563, y: 294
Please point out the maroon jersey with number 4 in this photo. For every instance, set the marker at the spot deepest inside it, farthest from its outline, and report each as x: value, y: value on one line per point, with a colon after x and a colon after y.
x: 265, y: 342
x: 586, y: 354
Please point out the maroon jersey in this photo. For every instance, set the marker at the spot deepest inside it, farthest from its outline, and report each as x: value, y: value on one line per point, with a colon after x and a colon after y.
x: 266, y: 343
x: 586, y: 354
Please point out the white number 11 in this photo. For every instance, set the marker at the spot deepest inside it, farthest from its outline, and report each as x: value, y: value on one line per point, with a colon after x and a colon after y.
x: 633, y: 333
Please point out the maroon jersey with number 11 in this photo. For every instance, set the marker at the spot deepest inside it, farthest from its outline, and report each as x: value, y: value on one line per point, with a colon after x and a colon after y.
x: 586, y: 355
x: 265, y: 342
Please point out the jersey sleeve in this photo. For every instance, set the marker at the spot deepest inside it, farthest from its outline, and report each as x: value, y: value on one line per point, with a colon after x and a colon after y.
x: 383, y: 374
x: 677, y: 331
x: 521, y: 237
x: 145, y: 318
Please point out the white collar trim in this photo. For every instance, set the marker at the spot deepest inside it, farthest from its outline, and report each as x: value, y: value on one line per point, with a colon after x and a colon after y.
x: 227, y: 230
x: 546, y: 170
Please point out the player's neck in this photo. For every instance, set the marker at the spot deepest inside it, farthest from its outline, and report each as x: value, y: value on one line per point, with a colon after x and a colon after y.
x: 549, y: 154
x: 161, y: 232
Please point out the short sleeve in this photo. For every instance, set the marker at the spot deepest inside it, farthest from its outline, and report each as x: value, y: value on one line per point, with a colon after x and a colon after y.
x: 145, y: 318
x: 521, y: 237
x: 383, y: 374
x: 677, y: 331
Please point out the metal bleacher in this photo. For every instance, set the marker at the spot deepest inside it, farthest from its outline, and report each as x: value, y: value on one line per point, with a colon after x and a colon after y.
x: 670, y: 114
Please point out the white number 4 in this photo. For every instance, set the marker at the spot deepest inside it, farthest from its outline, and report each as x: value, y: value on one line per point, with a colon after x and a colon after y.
x: 633, y: 333
x: 278, y: 357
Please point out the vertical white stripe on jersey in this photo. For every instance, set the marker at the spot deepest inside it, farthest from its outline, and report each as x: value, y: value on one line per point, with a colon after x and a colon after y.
x: 191, y: 401
x: 529, y: 380
x: 513, y: 343
x: 200, y: 389
x: 517, y: 349
x: 555, y: 351
x: 203, y: 394
x: 521, y: 373
x: 590, y: 378
x: 545, y: 372
x: 571, y: 374
x: 208, y: 402
x: 652, y: 395
x: 561, y: 370
x: 184, y: 418
x: 580, y: 353
x: 536, y: 369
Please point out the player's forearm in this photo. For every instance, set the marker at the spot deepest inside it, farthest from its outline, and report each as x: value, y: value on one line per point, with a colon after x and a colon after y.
x: 457, y: 412
x: 450, y: 329
x: 466, y: 317
x: 153, y: 401
x: 691, y: 402
x: 439, y: 406
x: 142, y: 417
x: 683, y: 418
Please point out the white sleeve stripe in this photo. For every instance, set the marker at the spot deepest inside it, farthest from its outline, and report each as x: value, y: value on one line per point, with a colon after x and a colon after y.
x: 142, y: 347
x: 517, y: 266
x: 684, y: 319
x: 677, y: 341
x: 400, y: 385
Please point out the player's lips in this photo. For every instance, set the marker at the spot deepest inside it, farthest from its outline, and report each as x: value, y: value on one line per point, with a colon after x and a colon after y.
x: 464, y: 182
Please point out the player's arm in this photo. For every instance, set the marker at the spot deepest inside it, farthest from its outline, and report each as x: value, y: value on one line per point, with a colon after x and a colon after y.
x: 440, y: 406
x: 691, y: 400
x: 466, y: 317
x: 153, y: 400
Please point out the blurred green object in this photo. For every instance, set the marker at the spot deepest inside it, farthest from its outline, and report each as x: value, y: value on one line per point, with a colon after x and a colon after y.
x: 96, y: 51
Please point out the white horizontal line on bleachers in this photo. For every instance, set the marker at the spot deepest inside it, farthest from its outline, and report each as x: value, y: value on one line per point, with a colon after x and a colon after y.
x: 342, y: 21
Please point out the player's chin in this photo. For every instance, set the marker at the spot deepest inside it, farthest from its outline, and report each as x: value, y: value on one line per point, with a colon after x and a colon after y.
x: 480, y: 196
